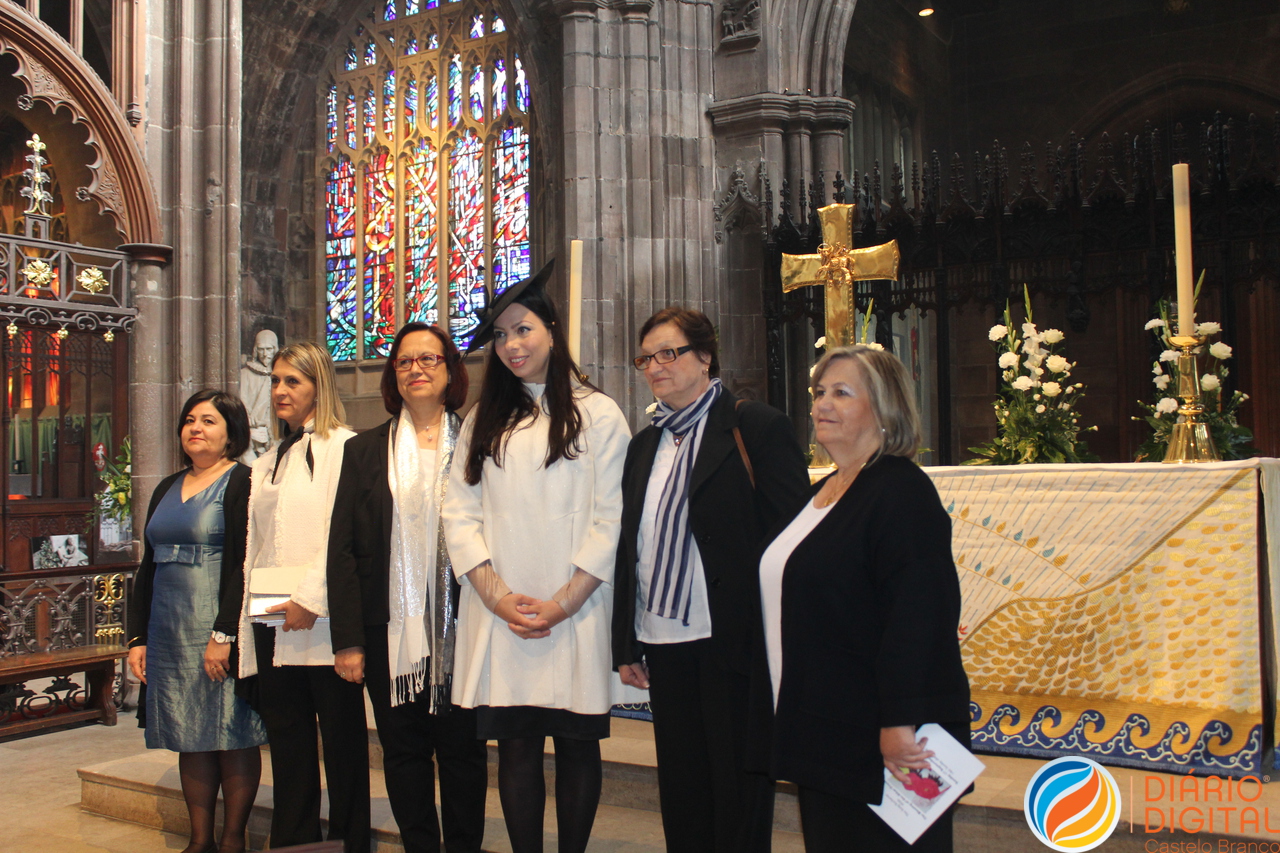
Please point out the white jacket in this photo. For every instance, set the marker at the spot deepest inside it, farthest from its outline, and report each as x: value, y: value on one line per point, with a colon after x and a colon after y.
x: 300, y: 536
x: 536, y: 524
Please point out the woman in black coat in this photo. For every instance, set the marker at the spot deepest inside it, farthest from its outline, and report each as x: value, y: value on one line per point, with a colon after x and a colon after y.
x: 393, y: 597
x: 721, y: 472
x: 861, y: 606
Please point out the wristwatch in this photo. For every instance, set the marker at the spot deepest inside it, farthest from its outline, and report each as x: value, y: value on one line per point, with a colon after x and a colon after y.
x: 219, y: 637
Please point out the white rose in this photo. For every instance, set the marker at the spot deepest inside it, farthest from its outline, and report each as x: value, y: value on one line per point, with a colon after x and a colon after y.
x: 820, y: 343
x: 1162, y: 382
x: 1220, y: 351
x: 997, y: 332
x: 1039, y: 371
x: 1040, y: 409
x: 1008, y: 360
x: 653, y: 407
x: 1051, y: 389
x: 1157, y: 323
x: 1052, y: 336
x: 1209, y: 382
x: 1167, y: 406
x: 1057, y: 364
x: 874, y: 345
x: 1169, y: 355
x: 1209, y: 328
x: 1023, y: 383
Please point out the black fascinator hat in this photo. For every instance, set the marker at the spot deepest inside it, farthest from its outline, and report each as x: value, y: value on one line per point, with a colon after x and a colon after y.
x: 530, y: 290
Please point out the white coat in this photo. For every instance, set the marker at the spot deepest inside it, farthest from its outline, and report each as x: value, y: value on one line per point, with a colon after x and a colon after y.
x: 537, y: 524
x: 300, y: 535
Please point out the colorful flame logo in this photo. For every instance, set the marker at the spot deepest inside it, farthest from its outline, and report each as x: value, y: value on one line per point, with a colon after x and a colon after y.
x: 1072, y: 804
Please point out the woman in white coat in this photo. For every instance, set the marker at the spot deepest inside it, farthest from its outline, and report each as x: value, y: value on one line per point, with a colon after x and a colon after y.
x: 290, y: 505
x: 532, y: 517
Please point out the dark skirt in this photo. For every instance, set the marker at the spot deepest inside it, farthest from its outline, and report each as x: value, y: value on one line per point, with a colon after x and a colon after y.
x: 526, y: 721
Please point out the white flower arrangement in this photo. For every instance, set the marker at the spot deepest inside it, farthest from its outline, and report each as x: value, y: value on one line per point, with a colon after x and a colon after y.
x: 1029, y: 428
x: 1232, y: 440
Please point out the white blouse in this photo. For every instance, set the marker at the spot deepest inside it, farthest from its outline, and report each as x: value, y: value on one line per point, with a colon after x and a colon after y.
x: 772, y: 566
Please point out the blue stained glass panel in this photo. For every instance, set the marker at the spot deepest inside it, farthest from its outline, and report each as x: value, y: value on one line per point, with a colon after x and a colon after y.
x: 475, y: 89
x: 522, y: 87
x: 389, y: 102
x: 389, y: 12
x: 433, y: 42
x: 370, y: 53
x: 351, y: 62
x: 455, y: 90
x: 410, y: 7
x: 477, y: 27
x: 349, y: 114
x: 466, y: 230
x: 331, y: 118
x: 499, y: 25
x: 340, y: 261
x: 499, y: 87
x: 410, y: 107
x: 511, y: 258
x: 411, y: 47
x: 370, y: 115
x: 433, y: 102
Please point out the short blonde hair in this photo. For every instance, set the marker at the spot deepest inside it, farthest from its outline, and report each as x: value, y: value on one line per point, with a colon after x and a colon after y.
x: 313, y: 362
x: 892, y: 400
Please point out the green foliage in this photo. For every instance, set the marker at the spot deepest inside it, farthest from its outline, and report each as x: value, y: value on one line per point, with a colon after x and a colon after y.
x: 116, y: 498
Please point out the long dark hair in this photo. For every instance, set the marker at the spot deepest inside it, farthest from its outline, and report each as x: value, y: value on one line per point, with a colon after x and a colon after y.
x: 504, y: 402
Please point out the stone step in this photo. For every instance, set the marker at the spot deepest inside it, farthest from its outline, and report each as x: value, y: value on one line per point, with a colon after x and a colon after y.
x: 145, y: 789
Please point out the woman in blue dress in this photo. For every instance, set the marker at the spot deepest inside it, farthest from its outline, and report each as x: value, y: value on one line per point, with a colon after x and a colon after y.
x: 184, y: 613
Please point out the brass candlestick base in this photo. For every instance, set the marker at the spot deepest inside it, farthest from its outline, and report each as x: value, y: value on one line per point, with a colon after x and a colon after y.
x: 1190, y: 440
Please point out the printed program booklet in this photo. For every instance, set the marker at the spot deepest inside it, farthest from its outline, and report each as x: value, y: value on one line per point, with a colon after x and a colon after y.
x: 912, y: 808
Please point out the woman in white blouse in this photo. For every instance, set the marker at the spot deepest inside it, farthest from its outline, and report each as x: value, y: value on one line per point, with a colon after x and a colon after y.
x: 532, y: 519
x: 285, y: 626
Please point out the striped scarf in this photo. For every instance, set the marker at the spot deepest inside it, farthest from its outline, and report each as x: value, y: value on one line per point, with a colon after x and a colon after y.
x: 672, y: 586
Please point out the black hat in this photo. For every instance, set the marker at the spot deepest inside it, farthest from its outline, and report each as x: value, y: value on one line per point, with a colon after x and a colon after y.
x: 522, y: 292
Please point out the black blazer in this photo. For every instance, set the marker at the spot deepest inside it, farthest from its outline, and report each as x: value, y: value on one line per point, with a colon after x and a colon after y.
x: 235, y: 509
x: 870, y: 609
x: 360, y: 540
x: 729, y: 520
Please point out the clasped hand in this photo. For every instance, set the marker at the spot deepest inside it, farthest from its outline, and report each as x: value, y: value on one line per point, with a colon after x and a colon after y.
x: 529, y: 618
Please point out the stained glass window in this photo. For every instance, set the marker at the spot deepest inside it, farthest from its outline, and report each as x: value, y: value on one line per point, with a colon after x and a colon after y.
x: 331, y: 118
x: 422, y: 256
x: 428, y: 218
x: 455, y: 89
x: 389, y: 101
x: 340, y: 260
x: 499, y: 100
x: 475, y: 88
x: 379, y: 256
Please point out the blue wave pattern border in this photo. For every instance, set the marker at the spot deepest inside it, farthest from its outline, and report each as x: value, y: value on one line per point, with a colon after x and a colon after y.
x: 1120, y: 750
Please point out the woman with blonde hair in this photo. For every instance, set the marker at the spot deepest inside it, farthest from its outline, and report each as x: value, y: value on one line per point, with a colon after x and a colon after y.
x: 861, y: 604
x: 284, y: 621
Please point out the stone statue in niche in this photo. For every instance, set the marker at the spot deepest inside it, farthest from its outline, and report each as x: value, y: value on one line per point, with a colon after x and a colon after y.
x: 255, y: 390
x: 739, y: 24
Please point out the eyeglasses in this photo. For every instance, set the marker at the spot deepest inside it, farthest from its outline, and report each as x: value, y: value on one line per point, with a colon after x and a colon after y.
x: 662, y: 356
x: 425, y: 361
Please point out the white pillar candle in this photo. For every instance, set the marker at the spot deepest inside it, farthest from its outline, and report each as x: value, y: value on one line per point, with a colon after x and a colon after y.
x: 575, y: 301
x: 1182, y: 248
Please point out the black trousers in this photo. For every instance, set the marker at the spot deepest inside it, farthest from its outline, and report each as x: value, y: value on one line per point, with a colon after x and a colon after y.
x: 710, y: 803
x: 834, y: 824
x: 291, y: 700
x: 410, y: 736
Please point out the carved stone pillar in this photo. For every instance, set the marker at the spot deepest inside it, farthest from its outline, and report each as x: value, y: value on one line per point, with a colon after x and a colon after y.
x: 153, y: 413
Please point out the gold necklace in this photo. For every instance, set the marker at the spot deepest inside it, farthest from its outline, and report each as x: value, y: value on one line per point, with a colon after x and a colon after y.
x: 839, y: 491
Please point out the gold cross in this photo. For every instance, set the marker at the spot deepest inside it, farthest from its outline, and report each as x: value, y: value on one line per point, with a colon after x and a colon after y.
x: 837, y: 267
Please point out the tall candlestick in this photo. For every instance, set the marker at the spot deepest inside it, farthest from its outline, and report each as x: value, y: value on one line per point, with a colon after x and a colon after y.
x: 1182, y: 248
x: 575, y: 300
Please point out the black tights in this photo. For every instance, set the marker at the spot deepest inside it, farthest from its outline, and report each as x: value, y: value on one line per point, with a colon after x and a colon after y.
x: 523, y: 791
x: 237, y: 772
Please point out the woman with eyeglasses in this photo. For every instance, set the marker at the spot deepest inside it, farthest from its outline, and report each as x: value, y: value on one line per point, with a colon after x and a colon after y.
x: 702, y: 485
x: 532, y: 519
x: 284, y: 624
x: 393, y: 599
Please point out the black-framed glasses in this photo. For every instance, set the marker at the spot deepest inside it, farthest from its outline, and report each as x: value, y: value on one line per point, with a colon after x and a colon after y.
x: 426, y: 361
x: 662, y: 356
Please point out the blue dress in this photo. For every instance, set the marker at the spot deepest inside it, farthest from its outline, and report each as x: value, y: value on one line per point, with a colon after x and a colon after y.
x: 186, y: 711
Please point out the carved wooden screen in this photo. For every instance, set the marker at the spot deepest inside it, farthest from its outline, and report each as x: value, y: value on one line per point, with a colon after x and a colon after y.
x: 423, y: 173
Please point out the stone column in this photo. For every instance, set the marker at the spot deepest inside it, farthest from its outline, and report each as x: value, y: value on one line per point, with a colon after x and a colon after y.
x: 831, y: 121
x: 194, y: 56
x: 152, y: 410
